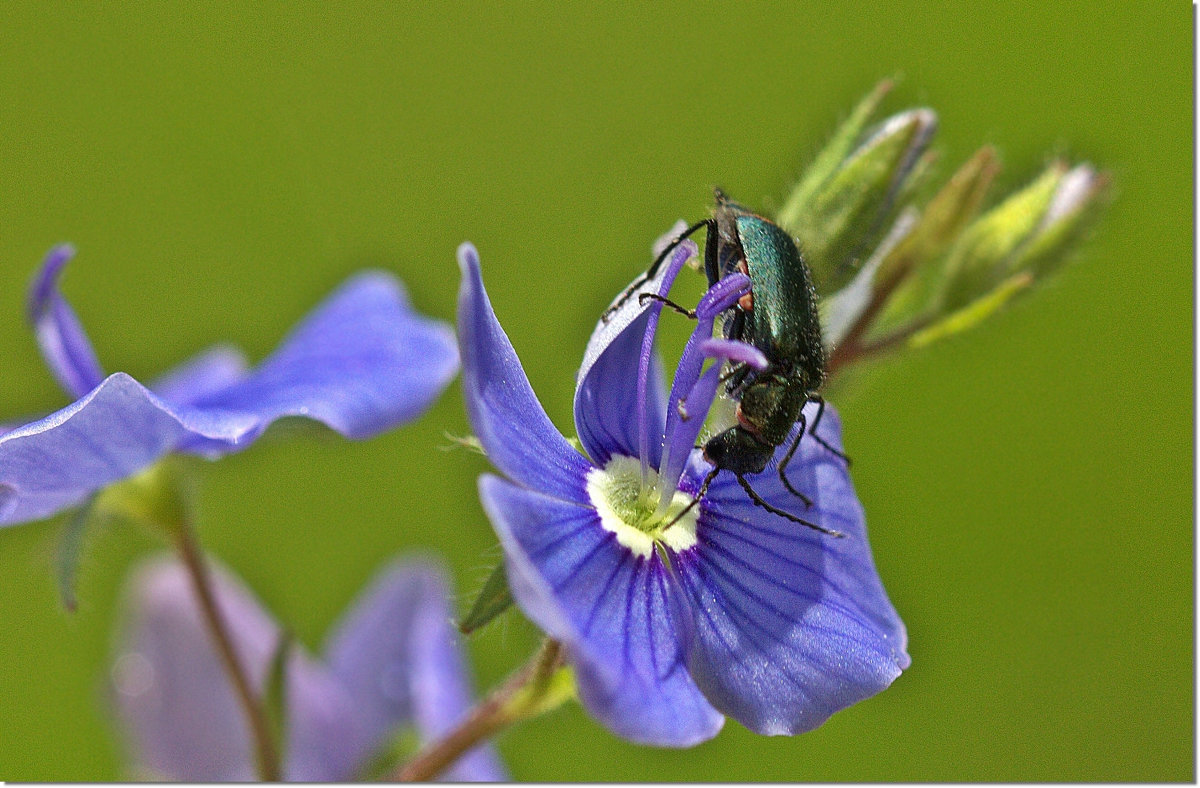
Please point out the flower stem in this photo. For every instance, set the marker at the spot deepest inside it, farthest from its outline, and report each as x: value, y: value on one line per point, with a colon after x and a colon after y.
x: 266, y: 755
x: 523, y: 695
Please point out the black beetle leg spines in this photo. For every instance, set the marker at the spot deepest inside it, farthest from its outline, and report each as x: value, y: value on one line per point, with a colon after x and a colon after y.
x: 817, y: 398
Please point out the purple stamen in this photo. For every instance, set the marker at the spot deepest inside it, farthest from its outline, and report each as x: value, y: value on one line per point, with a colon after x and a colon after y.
x: 678, y: 258
x: 688, y: 391
x: 735, y: 351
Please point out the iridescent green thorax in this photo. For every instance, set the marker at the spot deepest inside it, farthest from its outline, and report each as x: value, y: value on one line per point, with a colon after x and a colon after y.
x: 784, y: 322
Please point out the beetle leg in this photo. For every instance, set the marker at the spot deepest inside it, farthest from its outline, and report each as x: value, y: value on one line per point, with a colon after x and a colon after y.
x: 644, y: 297
x: 703, y: 489
x: 735, y: 326
x: 788, y: 458
x: 712, y: 266
x: 736, y: 377
x: 817, y: 398
x: 758, y: 501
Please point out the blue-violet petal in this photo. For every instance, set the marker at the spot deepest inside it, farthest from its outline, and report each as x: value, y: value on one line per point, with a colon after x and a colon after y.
x: 791, y: 625
x: 114, y: 431
x: 511, y: 424
x: 206, y: 373
x: 63, y: 342
x: 612, y: 609
x: 362, y: 362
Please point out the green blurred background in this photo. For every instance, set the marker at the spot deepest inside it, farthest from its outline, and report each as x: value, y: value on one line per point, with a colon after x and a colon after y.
x: 1028, y: 485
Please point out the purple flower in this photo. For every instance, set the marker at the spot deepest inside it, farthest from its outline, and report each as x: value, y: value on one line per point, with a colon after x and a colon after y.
x: 391, y: 663
x: 361, y: 363
x: 730, y: 610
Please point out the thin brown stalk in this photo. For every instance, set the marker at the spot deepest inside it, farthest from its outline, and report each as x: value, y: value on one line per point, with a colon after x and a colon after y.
x: 492, y: 715
x: 266, y: 755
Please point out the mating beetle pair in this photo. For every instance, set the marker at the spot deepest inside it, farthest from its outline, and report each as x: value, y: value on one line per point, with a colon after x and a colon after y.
x: 779, y: 317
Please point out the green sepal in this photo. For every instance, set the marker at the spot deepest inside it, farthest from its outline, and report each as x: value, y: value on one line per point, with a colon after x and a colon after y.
x: 70, y: 551
x: 493, y: 599
x: 982, y: 257
x: 275, y: 693
x: 158, y: 497
x: 852, y: 308
x: 469, y: 442
x: 974, y: 313
x: 912, y: 182
x: 540, y: 697
x: 849, y: 210
x: 831, y: 156
x: 1080, y: 199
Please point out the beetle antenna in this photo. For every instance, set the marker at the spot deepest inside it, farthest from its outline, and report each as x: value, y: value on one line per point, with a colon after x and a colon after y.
x: 652, y: 270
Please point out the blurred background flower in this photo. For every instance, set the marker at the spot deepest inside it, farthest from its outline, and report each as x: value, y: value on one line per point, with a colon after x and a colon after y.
x: 363, y: 361
x: 390, y: 679
x: 233, y: 164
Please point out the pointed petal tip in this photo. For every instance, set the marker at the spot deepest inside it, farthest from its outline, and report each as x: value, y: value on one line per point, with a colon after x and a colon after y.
x: 468, y: 257
x: 44, y: 282
x: 501, y: 406
x: 918, y: 116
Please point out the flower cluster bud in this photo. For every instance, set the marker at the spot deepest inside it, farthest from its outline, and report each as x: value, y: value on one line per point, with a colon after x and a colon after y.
x: 897, y: 273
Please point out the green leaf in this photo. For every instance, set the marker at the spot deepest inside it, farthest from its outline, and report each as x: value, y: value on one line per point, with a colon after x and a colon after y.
x: 493, y: 600
x: 830, y: 157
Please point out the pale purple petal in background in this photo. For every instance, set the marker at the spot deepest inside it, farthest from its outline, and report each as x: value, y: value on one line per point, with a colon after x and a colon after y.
x: 393, y: 662
x: 398, y: 656
x: 181, y: 718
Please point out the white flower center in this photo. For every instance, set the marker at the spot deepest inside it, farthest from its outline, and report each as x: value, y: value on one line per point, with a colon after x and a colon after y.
x: 626, y: 510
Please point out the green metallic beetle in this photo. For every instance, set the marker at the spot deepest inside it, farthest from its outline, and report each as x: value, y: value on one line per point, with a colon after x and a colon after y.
x: 779, y: 317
